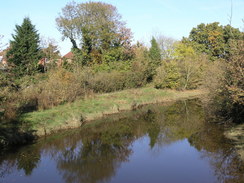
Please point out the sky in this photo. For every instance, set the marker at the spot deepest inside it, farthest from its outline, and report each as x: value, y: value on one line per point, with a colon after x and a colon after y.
x: 145, y: 18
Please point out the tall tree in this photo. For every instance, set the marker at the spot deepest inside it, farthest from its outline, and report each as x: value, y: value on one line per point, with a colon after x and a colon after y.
x: 155, y: 57
x: 214, y: 39
x: 233, y: 86
x: 96, y: 26
x: 24, y: 50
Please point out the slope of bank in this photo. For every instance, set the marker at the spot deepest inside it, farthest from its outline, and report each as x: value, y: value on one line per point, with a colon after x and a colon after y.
x: 74, y: 114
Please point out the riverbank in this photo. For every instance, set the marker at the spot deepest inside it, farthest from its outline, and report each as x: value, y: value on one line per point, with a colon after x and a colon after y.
x: 74, y: 114
x: 236, y: 135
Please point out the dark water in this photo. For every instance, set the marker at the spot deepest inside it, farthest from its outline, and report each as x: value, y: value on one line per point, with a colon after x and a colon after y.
x: 160, y: 143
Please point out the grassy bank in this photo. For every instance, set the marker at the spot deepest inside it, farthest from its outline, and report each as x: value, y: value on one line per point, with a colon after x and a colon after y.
x: 74, y: 114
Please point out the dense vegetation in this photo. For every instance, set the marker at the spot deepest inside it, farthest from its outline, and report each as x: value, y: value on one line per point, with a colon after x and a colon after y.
x: 105, y: 60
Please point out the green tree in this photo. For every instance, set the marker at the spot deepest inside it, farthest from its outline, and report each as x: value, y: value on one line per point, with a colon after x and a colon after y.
x: 191, y: 65
x: 235, y: 75
x: 168, y: 76
x: 97, y: 27
x: 213, y: 39
x: 24, y: 50
x: 155, y: 57
x: 232, y: 89
x: 231, y: 34
x: 154, y: 52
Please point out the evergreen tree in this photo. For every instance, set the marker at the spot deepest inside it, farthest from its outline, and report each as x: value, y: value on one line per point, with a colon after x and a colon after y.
x: 155, y: 57
x: 154, y: 52
x: 24, y: 50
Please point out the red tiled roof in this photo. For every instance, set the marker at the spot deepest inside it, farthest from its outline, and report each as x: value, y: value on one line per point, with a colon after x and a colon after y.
x: 69, y: 55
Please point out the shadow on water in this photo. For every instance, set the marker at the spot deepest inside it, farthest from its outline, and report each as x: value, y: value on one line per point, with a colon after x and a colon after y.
x: 13, y: 134
x: 96, y: 152
x: 13, y: 131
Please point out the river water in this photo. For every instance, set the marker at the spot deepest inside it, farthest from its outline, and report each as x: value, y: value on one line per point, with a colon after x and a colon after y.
x: 171, y: 143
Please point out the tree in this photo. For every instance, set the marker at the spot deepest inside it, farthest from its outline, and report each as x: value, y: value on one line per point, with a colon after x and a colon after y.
x: 154, y: 52
x: 1, y: 44
x: 166, y: 45
x: 191, y: 65
x: 213, y: 39
x: 231, y: 34
x: 168, y: 76
x: 235, y: 74
x: 24, y: 50
x: 155, y: 57
x: 96, y: 26
x: 50, y: 49
x: 233, y: 86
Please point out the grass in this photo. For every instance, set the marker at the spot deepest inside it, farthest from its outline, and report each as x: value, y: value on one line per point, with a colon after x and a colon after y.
x: 72, y: 115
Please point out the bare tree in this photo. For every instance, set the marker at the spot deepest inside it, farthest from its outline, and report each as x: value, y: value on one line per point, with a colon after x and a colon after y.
x: 166, y: 45
x: 231, y: 13
x: 2, y: 45
x: 50, y: 48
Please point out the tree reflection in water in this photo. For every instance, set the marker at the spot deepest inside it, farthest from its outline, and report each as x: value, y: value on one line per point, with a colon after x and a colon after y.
x: 94, y: 153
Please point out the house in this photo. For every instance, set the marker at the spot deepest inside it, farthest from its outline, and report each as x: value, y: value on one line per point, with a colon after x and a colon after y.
x: 43, y: 61
x: 3, y: 62
x: 68, y: 57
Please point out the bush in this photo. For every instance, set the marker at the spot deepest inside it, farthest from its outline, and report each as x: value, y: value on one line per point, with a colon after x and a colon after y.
x: 135, y: 79
x: 120, y: 66
x: 192, y: 69
x: 213, y: 76
x: 61, y: 86
x: 106, y: 82
x: 5, y: 85
x: 114, y: 81
x: 8, y: 96
x: 168, y: 76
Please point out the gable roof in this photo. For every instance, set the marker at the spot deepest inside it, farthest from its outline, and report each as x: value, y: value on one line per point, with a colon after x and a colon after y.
x: 69, y: 55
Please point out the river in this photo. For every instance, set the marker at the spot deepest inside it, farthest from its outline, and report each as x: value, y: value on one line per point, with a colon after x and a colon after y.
x: 171, y: 143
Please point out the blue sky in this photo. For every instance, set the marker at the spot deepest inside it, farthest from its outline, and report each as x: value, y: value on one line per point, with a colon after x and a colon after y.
x: 173, y: 18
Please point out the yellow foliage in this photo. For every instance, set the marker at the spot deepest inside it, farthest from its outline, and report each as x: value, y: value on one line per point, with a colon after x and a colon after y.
x: 183, y: 50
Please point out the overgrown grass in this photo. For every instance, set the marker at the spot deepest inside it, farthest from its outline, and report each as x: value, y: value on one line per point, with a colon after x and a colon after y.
x: 74, y: 114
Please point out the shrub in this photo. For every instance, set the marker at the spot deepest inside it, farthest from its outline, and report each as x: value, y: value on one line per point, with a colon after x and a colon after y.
x: 120, y: 66
x: 213, y: 76
x: 8, y: 96
x: 192, y: 69
x: 135, y: 79
x: 106, y: 82
x: 114, y: 81
x: 168, y: 76
x: 61, y: 86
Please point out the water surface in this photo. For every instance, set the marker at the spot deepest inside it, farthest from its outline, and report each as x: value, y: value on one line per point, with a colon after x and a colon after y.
x: 159, y: 143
